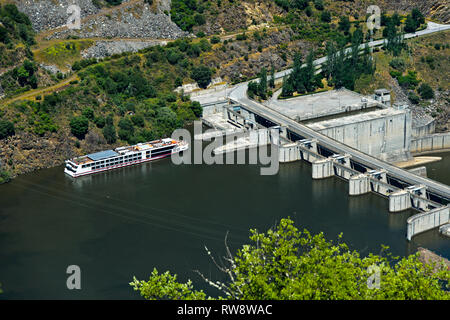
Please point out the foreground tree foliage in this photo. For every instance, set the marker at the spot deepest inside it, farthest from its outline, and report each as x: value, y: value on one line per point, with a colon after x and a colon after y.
x: 285, y: 263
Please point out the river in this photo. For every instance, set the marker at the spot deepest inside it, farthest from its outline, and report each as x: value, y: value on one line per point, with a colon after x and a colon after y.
x: 123, y: 223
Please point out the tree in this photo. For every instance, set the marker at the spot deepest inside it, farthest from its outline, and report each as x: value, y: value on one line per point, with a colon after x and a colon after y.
x: 288, y: 88
x: 285, y: 263
x: 100, y: 121
x: 199, y: 19
x: 410, y: 24
x: 344, y: 24
x: 325, y: 16
x: 418, y: 17
x: 329, y: 66
x: 6, y: 129
x: 252, y: 89
x: 425, y: 91
x: 299, y: 4
x: 395, y: 41
x: 396, y: 19
x: 318, y: 4
x: 79, y: 126
x: 197, y: 108
x: 296, y: 74
x: 114, y: 2
x: 126, y: 129
x: 309, y: 73
x: 4, y: 35
x: 109, y: 132
x: 214, y: 39
x: 138, y: 120
x: 308, y: 11
x: 272, y: 77
x: 88, y: 113
x: 202, y: 75
x: 262, y: 86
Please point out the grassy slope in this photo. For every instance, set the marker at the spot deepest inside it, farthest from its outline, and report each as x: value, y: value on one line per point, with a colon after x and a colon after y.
x: 419, y: 47
x: 61, y: 53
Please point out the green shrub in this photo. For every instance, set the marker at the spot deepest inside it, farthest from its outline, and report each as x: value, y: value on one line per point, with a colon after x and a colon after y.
x: 6, y: 129
x: 197, y: 109
x: 414, y: 98
x: 114, y: 2
x: 126, y: 129
x: 88, y: 113
x: 398, y: 64
x: 241, y: 37
x: 99, y: 121
x: 214, y: 39
x: 202, y: 75
x: 4, y: 177
x: 409, y: 81
x: 138, y: 120
x: 318, y: 4
x: 109, y: 132
x: 79, y: 126
x: 425, y: 91
x: 325, y: 16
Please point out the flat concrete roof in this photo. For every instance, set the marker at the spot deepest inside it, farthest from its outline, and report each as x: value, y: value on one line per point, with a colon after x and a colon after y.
x: 382, y: 113
x: 321, y: 104
x: 382, y: 91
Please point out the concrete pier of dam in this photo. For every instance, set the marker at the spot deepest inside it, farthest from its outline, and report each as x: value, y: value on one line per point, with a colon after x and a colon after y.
x: 353, y: 147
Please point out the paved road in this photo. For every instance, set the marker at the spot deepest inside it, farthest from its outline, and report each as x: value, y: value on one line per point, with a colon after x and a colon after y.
x: 239, y: 94
x: 431, y: 28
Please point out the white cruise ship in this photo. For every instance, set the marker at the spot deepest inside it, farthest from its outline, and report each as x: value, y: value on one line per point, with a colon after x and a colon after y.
x: 123, y: 156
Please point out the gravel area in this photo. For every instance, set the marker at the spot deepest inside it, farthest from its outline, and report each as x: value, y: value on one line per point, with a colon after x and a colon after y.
x: 135, y: 20
x: 47, y: 14
x: 103, y: 49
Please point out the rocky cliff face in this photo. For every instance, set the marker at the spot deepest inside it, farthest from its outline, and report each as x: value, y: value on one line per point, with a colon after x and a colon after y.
x: 435, y: 9
x: 26, y: 152
x: 47, y: 14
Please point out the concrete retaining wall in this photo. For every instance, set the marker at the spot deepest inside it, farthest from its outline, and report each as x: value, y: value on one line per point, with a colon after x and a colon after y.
x: 431, y: 142
x: 215, y: 108
x: 427, y: 129
x: 420, y: 171
x: 428, y: 220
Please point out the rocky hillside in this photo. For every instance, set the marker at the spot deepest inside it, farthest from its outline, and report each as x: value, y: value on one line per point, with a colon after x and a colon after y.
x: 130, y: 19
x: 135, y: 18
x: 127, y: 98
x: 438, y: 10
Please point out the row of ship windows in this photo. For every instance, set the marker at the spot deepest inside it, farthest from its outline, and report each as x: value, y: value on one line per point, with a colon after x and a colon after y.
x: 111, y: 162
x: 120, y: 160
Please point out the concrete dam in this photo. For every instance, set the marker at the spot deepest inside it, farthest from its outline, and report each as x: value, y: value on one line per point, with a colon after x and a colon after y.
x: 342, y: 134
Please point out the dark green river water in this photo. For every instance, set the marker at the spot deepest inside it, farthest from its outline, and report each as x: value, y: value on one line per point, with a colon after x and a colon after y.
x: 123, y: 223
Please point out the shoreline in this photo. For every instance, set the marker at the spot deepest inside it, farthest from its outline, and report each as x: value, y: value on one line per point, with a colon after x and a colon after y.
x: 429, y: 257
